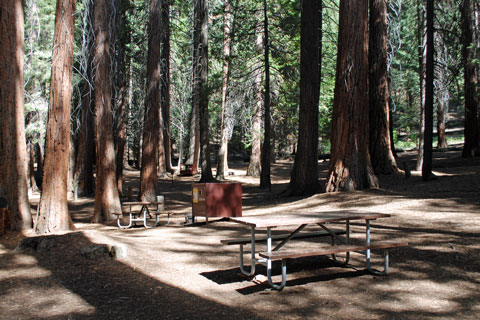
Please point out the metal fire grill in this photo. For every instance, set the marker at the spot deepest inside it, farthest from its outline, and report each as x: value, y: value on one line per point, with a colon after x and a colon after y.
x: 216, y: 200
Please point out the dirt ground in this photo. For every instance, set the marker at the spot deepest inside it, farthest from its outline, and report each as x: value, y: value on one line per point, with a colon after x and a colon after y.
x: 179, y: 272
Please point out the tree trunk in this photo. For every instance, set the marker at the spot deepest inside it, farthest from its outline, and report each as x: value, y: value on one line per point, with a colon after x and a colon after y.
x: 31, y: 167
x: 165, y: 85
x: 304, y: 177
x: 254, y: 166
x: 350, y: 167
x: 53, y: 213
x: 265, y: 181
x: 421, y: 72
x: 151, y: 130
x: 429, y: 53
x: 222, y: 159
x: 200, y: 76
x: 107, y: 200
x: 442, y: 91
x: 85, y: 161
x: 472, y: 141
x: 121, y: 99
x: 383, y: 161
x: 13, y: 150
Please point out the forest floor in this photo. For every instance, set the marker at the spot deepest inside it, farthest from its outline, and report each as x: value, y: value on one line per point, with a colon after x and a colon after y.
x: 178, y: 272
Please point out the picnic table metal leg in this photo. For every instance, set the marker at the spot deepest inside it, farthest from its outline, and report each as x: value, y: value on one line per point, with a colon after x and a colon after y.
x: 367, y: 253
x: 347, y: 241
x: 269, y: 265
x: 252, y: 260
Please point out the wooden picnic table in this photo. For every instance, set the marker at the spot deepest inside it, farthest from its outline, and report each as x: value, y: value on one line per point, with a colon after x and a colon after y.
x: 142, y: 214
x: 301, y: 220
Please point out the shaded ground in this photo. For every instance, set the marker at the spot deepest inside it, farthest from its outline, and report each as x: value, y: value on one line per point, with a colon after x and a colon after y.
x: 177, y: 272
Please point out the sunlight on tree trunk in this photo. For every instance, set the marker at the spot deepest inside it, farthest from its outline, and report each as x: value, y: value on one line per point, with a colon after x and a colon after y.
x: 350, y: 167
x: 13, y: 152
x: 53, y: 212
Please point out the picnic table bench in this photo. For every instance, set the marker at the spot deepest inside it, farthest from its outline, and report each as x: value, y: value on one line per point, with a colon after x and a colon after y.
x: 147, y: 209
x: 320, y: 219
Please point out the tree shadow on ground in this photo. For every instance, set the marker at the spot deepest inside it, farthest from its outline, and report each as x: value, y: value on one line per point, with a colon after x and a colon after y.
x: 106, y: 287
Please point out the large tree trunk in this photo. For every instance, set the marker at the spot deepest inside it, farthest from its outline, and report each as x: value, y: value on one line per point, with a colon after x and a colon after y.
x: 53, y: 213
x: 429, y: 70
x: 265, y: 181
x: 13, y: 152
x: 107, y: 200
x: 222, y: 159
x: 350, y: 167
x: 200, y: 77
x: 471, y: 146
x: 121, y: 99
x: 304, y: 177
x: 383, y: 161
x: 254, y: 166
x: 151, y: 129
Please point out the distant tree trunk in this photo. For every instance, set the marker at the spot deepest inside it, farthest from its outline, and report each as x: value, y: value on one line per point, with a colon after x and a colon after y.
x: 471, y: 147
x: 165, y: 84
x: 85, y: 161
x: 265, y: 181
x: 304, y: 177
x: 350, y: 167
x: 222, y: 159
x: 428, y: 154
x: 383, y: 161
x: 194, y: 144
x: 200, y: 76
x: 442, y: 91
x: 255, y: 166
x: 121, y: 99
x: 53, y: 213
x: 162, y: 165
x: 107, y: 199
x: 31, y: 167
x: 13, y: 151
x: 39, y: 161
x: 151, y: 129
x: 421, y: 31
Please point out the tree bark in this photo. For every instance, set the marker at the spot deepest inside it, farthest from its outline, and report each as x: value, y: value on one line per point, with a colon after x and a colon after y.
x: 151, y: 130
x: 429, y: 53
x: 265, y: 181
x: 383, y: 161
x: 471, y: 146
x: 222, y: 159
x: 107, y: 200
x: 254, y: 166
x: 121, y: 99
x: 350, y: 167
x: 200, y: 76
x: 421, y: 31
x: 53, y: 213
x: 304, y: 177
x: 13, y: 152
x: 85, y: 161
x: 165, y: 85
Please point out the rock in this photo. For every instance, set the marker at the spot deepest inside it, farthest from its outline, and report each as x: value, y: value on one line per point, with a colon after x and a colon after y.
x: 95, y: 251
x: 118, y: 251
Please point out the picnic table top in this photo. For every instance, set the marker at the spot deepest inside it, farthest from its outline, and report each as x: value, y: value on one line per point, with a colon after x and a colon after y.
x: 140, y: 203
x: 299, y: 218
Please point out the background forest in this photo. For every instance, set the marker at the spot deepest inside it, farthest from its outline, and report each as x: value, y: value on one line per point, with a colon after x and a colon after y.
x: 253, y: 62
